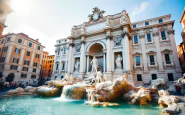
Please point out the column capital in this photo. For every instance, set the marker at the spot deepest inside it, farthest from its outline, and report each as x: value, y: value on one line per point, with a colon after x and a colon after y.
x: 108, y: 37
x: 155, y: 33
x: 83, y: 42
x: 171, y: 31
x: 72, y: 44
x: 124, y: 34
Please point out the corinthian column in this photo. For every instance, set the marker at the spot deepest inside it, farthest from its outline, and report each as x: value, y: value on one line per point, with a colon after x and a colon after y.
x: 70, y: 58
x: 143, y: 49
x: 158, y: 50
x: 109, y: 63
x: 126, y: 50
x: 82, y: 57
x: 174, y: 50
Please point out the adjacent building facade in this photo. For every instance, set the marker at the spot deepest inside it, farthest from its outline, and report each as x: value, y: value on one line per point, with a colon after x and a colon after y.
x: 146, y: 49
x: 20, y: 56
x: 47, y: 65
x: 181, y: 46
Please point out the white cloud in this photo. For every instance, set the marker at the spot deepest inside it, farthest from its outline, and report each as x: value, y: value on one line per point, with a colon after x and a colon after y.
x: 139, y: 9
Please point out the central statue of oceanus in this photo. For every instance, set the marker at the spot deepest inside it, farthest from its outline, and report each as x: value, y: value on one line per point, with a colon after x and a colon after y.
x: 94, y: 64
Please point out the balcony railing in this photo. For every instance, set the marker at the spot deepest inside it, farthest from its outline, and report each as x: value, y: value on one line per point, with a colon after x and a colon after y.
x: 168, y: 64
x: 138, y: 65
x: 152, y: 65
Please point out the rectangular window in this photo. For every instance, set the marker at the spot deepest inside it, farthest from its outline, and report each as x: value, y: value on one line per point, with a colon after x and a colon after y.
x: 2, y: 40
x: 23, y: 75
x: 160, y: 20
x: 25, y: 69
x: 163, y: 35
x: 170, y: 77
x: 26, y: 62
x: 146, y: 23
x: 137, y: 60
x: 28, y: 53
x: 64, y: 50
x: 38, y: 47
x: 5, y: 49
x: 167, y: 58
x: 58, y: 51
x: 30, y: 44
x: 63, y: 66
x: 154, y: 76
x: 152, y: 61
x: 15, y: 60
x: 2, y: 59
x: 139, y: 77
x: 35, y: 64
x: 37, y: 56
x: 17, y: 50
x: 134, y: 26
x: 19, y: 40
x: 57, y: 66
x: 135, y: 40
x: 33, y: 76
x: 34, y: 70
x: 14, y: 67
x: 9, y: 38
x: 149, y: 39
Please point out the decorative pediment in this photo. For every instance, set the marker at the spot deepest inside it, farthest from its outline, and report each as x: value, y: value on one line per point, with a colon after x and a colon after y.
x: 166, y: 51
x: 162, y: 29
x: 136, y: 53
x: 151, y: 52
x: 148, y: 31
x: 97, y: 14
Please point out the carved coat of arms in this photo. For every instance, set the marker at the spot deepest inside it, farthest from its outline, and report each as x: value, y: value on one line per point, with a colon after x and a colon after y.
x: 97, y: 14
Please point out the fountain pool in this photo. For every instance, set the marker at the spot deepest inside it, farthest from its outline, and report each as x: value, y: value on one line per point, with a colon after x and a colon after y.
x: 34, y: 105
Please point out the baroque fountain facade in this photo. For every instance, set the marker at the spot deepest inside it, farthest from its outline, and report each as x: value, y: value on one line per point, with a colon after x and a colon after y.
x: 105, y: 58
x: 145, y: 50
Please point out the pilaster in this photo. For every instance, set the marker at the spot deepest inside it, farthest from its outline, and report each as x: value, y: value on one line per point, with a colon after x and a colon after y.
x: 143, y: 49
x: 158, y: 50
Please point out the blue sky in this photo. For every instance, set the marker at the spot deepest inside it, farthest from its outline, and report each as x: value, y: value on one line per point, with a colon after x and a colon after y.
x: 50, y: 20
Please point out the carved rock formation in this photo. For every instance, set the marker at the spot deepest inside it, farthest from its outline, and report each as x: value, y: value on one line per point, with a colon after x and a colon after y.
x: 141, y: 96
x: 108, y: 91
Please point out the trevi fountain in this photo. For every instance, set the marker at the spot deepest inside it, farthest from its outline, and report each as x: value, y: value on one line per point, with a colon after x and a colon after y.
x: 94, y: 95
x: 99, y: 78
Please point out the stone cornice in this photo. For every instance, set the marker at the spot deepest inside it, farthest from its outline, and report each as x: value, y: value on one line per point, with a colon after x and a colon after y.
x: 171, y: 31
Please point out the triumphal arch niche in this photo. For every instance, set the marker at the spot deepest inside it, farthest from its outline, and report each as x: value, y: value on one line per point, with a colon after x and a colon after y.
x: 104, y: 38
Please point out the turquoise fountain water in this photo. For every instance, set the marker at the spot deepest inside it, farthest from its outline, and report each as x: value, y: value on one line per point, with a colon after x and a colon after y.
x: 30, y: 105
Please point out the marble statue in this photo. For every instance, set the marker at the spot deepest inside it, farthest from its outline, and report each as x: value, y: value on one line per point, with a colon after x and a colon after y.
x: 118, y: 62
x: 99, y: 77
x: 123, y: 18
x: 77, y: 65
x: 94, y: 63
x: 108, y: 22
x: 83, y: 28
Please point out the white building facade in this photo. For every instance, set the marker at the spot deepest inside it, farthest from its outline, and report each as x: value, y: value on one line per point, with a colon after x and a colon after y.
x: 147, y: 48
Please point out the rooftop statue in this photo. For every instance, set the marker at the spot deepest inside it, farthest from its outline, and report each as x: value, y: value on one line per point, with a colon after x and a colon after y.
x: 97, y: 14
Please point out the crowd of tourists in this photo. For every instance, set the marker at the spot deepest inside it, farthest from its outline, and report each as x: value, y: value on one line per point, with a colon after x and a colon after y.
x: 5, y: 86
